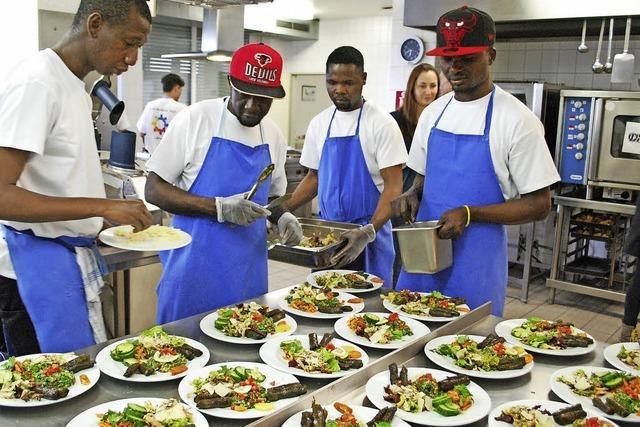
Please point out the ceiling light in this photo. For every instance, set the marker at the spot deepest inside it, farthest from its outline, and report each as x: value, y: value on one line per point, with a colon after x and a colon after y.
x: 219, y: 57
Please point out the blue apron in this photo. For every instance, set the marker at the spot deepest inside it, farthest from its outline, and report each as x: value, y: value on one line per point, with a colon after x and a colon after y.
x: 347, y: 193
x: 460, y: 172
x: 52, y: 289
x: 225, y: 263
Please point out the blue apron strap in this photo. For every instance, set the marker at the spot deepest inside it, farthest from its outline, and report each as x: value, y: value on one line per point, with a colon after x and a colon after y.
x: 435, y: 125
x: 488, y: 116
x: 359, y: 116
x: 330, y: 122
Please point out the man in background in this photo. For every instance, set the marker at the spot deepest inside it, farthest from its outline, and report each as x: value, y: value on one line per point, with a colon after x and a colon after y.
x: 157, y: 114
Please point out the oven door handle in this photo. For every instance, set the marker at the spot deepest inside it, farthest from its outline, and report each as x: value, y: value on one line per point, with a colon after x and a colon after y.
x: 593, y: 149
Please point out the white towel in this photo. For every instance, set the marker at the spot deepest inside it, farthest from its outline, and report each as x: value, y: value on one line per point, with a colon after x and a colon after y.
x: 91, y: 272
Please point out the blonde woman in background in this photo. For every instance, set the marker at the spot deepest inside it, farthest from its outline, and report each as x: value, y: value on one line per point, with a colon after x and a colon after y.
x: 422, y: 89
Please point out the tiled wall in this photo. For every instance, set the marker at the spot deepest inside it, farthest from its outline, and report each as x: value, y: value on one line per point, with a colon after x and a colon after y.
x: 558, y: 61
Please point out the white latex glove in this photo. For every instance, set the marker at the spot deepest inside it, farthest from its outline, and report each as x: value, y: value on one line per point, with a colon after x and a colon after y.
x: 289, y: 229
x: 357, y: 239
x: 235, y: 209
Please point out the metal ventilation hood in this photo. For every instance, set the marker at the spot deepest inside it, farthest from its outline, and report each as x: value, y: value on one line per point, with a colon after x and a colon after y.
x: 222, y: 28
x: 530, y: 18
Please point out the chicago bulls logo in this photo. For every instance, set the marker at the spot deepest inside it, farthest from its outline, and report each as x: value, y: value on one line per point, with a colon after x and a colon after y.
x: 263, y: 59
x: 454, y: 30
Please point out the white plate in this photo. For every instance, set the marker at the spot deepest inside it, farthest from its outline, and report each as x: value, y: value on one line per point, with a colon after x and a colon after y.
x: 449, y: 363
x: 611, y: 356
x: 480, y: 408
x: 394, y: 308
x: 110, y: 238
x: 88, y: 418
x: 549, y: 405
x: 271, y: 354
x: 92, y: 373
x: 362, y: 413
x: 343, y: 296
x: 274, y: 378
x: 565, y: 393
x: 377, y: 284
x: 419, y: 330
x: 117, y: 369
x: 207, y: 325
x: 505, y: 327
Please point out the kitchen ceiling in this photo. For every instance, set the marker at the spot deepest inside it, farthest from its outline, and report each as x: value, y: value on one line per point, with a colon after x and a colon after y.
x: 218, y: 4
x: 335, y: 9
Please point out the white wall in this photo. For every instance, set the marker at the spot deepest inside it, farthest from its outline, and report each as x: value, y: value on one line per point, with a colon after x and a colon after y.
x: 370, y: 35
x: 19, y: 30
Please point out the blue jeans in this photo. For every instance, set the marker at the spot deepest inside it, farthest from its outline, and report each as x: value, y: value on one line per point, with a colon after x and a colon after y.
x: 17, y: 335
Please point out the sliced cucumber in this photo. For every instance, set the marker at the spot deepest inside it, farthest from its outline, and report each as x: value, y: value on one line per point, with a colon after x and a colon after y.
x: 257, y: 375
x: 371, y: 318
x: 137, y: 408
x: 167, y: 358
x: 130, y: 361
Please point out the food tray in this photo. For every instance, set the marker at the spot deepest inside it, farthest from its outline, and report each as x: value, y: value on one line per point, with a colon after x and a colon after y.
x: 310, y: 257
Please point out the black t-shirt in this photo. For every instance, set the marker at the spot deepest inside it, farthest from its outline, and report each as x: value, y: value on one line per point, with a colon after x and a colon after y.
x: 408, y: 174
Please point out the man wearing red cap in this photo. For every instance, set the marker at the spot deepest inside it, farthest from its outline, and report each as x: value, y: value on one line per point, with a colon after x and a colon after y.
x: 477, y: 174
x: 209, y: 158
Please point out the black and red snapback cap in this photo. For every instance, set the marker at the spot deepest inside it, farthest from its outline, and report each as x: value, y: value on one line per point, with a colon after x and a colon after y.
x: 463, y: 31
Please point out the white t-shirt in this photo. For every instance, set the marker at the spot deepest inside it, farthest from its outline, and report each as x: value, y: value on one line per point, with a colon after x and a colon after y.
x: 180, y: 155
x: 45, y: 109
x: 380, y: 138
x: 155, y: 120
x: 519, y: 152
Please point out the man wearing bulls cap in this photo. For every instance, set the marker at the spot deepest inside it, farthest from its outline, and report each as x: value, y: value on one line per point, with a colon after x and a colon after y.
x: 477, y: 174
x: 208, y: 159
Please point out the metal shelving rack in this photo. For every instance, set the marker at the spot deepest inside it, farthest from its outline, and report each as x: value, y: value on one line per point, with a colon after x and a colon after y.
x: 574, y: 268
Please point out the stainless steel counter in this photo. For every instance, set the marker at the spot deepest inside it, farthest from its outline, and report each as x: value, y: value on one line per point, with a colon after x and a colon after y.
x: 349, y: 389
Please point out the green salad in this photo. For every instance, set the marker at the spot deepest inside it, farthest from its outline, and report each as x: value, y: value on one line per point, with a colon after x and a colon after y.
x: 492, y: 354
x: 154, y: 351
x: 170, y: 413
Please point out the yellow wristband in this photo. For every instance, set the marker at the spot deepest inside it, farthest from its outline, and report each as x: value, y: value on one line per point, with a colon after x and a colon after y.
x: 468, y: 215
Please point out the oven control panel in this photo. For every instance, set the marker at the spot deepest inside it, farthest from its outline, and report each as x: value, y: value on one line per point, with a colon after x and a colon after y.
x: 575, y: 140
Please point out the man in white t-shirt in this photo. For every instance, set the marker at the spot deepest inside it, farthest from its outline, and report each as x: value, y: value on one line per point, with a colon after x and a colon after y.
x: 209, y: 158
x: 157, y: 114
x: 355, y: 154
x: 52, y: 197
x: 482, y: 162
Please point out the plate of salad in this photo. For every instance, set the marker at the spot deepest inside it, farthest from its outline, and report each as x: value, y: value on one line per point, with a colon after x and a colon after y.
x: 307, y: 301
x: 624, y: 356
x: 481, y: 357
x: 248, y: 323
x: 313, y: 357
x: 607, y: 392
x: 429, y: 396
x: 351, y: 281
x: 152, y: 356
x: 140, y: 412
x: 380, y: 330
x: 342, y: 415
x: 556, y: 338
x: 44, y: 379
x: 544, y: 413
x: 427, y: 306
x: 239, y: 390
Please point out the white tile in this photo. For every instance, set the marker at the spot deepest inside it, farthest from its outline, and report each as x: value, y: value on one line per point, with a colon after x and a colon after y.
x: 533, y: 61
x: 566, y: 78
x: 601, y: 81
x: 549, y: 60
x: 567, y: 61
x: 532, y: 46
x: 501, y: 64
x: 550, y: 45
x: 516, y: 61
x: 583, y: 81
x: 584, y: 61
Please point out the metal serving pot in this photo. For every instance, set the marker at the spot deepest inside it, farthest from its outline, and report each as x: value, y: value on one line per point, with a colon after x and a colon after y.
x: 421, y: 249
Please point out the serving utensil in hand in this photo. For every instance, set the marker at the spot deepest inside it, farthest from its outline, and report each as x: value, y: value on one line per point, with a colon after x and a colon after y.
x: 582, y: 47
x: 266, y: 172
x: 597, y: 66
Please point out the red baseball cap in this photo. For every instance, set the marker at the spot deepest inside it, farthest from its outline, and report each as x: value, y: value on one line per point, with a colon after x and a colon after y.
x: 464, y: 31
x: 255, y: 70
